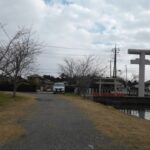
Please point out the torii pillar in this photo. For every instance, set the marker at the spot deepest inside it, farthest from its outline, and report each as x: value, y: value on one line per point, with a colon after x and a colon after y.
x: 142, y: 62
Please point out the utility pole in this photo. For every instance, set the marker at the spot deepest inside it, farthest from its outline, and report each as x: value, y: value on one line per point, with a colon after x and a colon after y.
x: 115, y: 51
x: 110, y: 68
x: 126, y: 70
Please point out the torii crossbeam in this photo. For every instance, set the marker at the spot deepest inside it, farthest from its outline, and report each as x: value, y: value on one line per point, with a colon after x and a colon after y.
x: 142, y: 62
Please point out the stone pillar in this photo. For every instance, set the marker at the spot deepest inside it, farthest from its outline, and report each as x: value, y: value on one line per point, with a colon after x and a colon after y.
x: 142, y: 75
x: 141, y: 62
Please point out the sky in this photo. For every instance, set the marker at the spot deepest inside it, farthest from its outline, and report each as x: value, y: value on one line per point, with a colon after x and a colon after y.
x: 78, y: 28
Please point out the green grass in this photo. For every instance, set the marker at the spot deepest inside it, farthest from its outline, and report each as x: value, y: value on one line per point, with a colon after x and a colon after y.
x: 6, y: 98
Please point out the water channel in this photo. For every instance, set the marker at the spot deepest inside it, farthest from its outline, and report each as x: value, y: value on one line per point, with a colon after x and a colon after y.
x: 141, y: 112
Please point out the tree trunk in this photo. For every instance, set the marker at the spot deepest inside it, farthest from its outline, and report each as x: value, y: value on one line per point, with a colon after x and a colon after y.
x: 14, y: 89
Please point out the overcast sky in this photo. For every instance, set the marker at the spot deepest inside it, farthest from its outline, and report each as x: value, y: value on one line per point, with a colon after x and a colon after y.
x: 74, y: 28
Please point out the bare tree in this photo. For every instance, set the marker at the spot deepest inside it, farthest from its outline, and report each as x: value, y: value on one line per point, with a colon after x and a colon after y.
x: 4, y: 51
x: 82, y: 70
x: 86, y: 70
x: 68, y: 68
x: 19, y: 55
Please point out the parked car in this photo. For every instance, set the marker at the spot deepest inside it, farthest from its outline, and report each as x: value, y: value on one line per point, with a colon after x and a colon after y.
x: 59, y: 87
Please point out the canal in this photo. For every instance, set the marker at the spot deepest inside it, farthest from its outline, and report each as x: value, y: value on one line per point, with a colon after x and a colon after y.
x: 131, y: 105
x: 137, y: 111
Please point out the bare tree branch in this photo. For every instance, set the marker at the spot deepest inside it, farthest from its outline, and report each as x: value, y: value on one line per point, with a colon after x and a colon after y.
x: 18, y: 55
x: 82, y: 71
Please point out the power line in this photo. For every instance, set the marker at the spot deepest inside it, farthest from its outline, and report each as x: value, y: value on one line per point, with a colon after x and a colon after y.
x: 68, y: 54
x: 5, y: 32
x: 64, y: 47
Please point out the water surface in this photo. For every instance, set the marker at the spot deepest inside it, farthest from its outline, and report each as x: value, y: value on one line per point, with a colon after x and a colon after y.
x: 138, y: 111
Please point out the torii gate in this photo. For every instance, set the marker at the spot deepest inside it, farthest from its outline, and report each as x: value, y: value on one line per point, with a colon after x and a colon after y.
x: 142, y: 62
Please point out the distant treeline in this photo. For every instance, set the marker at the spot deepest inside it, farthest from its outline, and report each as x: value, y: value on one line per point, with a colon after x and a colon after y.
x: 22, y: 86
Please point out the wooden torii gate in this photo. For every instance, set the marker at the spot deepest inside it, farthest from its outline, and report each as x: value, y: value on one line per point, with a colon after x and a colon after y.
x: 141, y: 61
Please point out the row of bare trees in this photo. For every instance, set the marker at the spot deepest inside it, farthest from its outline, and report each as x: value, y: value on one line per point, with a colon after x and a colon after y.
x: 82, y: 71
x: 17, y: 55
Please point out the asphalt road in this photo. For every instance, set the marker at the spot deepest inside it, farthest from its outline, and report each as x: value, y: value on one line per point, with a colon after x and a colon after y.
x: 55, y: 124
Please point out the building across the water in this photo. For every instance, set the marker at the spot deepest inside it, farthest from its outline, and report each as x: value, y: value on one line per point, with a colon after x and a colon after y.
x: 116, y: 87
x: 108, y: 87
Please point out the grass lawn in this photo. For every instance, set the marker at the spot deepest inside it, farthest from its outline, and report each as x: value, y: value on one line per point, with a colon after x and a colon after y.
x: 6, y: 98
x: 11, y: 109
x: 131, y: 131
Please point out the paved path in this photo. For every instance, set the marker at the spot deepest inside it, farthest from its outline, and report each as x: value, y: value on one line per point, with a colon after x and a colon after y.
x: 55, y: 124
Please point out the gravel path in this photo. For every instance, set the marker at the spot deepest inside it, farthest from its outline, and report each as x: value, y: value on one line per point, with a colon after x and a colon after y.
x: 55, y: 124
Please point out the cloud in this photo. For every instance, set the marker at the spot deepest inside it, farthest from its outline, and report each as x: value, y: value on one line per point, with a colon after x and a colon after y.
x: 92, y: 27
